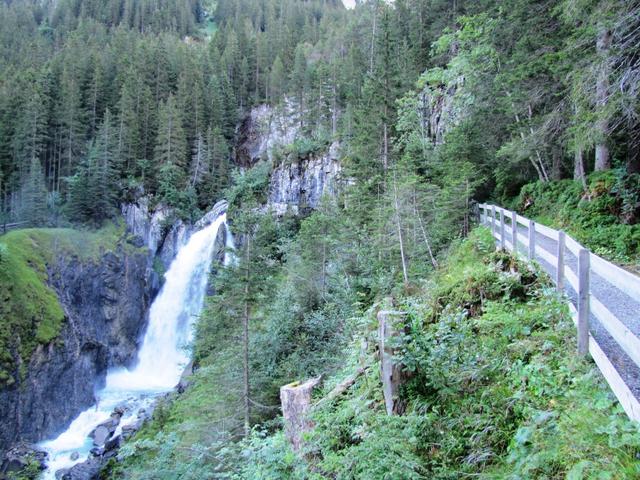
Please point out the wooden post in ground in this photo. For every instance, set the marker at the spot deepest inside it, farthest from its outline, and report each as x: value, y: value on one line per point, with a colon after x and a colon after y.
x: 391, y: 324
x: 583, y: 301
x: 503, y: 237
x: 532, y: 240
x: 295, y: 399
x: 514, y: 232
x: 560, y: 264
x: 493, y: 219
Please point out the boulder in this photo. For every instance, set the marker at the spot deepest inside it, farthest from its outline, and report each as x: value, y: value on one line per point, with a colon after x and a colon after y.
x: 105, y: 430
x: 87, y: 470
x: 296, y: 401
x: 100, y: 435
x: 21, y: 456
x: 185, y: 378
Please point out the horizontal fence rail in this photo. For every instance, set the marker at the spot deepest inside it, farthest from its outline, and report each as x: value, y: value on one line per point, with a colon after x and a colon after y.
x: 518, y: 234
x: 5, y: 227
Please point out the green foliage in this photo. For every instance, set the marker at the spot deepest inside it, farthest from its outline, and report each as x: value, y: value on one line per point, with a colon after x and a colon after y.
x: 493, y: 392
x: 604, y: 217
x: 30, y: 313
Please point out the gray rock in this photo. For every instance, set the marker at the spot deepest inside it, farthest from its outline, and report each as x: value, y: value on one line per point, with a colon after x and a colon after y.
x: 100, y: 435
x: 439, y: 110
x: 296, y: 184
x: 300, y: 184
x: 106, y: 429
x: 105, y: 304
x: 129, y: 430
x: 87, y: 470
x: 74, y: 456
x: 185, y: 378
x: 212, y: 214
x: 21, y: 456
x: 264, y: 129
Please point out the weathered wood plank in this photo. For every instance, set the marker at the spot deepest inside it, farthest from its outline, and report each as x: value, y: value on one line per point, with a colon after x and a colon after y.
x: 573, y: 246
x: 547, y: 256
x: 618, y: 330
x: 620, y: 389
x: 532, y: 240
x: 583, y: 302
x: 621, y: 279
x: 546, y: 231
x: 560, y: 262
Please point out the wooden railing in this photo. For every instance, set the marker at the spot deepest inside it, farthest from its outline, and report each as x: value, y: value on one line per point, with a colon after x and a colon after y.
x: 5, y: 227
x: 509, y: 229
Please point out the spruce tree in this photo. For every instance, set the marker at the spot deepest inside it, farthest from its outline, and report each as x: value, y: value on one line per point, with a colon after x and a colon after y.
x: 34, y: 195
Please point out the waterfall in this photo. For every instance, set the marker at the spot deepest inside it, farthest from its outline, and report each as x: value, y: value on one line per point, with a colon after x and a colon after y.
x: 162, y: 357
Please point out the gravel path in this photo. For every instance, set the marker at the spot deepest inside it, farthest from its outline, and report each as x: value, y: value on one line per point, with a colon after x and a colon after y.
x: 625, y: 308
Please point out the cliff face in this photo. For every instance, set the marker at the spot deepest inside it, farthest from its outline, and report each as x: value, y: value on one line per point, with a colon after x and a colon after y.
x: 439, y: 110
x: 300, y: 183
x: 298, y: 180
x: 159, y: 231
x: 105, y: 304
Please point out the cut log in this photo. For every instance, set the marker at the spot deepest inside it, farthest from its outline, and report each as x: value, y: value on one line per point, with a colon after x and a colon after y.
x: 342, y: 387
x: 296, y: 401
x: 390, y: 324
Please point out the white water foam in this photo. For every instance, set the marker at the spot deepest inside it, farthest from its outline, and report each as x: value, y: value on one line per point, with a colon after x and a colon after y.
x: 162, y: 357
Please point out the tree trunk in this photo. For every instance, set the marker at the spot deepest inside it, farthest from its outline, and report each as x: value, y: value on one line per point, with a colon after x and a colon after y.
x: 556, y: 165
x: 405, y: 274
x: 245, y: 343
x: 633, y: 150
x: 603, y: 160
x: 578, y: 167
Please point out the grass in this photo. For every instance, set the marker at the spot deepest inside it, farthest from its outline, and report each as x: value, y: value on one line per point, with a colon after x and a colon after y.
x: 605, y: 217
x: 496, y: 391
x: 30, y: 312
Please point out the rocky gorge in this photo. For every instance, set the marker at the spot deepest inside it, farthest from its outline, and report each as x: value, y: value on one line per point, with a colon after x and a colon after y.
x: 105, y: 302
x: 106, y: 299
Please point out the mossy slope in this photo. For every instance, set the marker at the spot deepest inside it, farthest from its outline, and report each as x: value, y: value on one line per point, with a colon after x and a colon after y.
x: 497, y: 392
x: 30, y: 312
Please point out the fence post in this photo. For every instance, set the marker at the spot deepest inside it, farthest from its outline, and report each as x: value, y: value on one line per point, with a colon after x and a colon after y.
x: 514, y: 232
x: 503, y: 237
x: 493, y: 219
x: 583, y: 301
x: 532, y: 240
x: 560, y: 265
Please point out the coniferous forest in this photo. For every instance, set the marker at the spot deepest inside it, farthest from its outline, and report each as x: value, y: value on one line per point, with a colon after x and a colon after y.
x: 423, y: 108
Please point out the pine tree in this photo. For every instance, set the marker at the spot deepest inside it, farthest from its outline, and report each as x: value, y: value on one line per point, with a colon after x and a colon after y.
x: 34, y: 195
x: 128, y: 125
x: 93, y: 190
x: 171, y: 142
x: 277, y: 81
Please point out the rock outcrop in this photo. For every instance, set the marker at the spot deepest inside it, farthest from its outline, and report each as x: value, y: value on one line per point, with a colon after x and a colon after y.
x: 439, y: 111
x: 297, y: 181
x: 105, y: 303
x: 160, y: 231
x: 299, y: 184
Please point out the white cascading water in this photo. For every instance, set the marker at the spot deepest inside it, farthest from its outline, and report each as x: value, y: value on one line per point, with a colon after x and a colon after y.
x: 162, y: 357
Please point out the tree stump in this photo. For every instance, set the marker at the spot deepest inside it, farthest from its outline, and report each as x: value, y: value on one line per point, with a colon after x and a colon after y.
x: 390, y: 324
x: 296, y: 401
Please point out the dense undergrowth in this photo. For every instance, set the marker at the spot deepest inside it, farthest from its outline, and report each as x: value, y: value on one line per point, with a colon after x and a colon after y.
x: 495, y: 392
x: 29, y: 308
x: 605, y: 216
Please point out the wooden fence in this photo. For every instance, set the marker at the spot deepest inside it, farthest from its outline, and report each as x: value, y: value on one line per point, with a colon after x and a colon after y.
x: 5, y: 227
x: 505, y: 228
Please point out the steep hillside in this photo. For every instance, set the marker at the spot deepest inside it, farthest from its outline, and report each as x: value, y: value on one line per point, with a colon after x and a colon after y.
x: 73, y: 305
